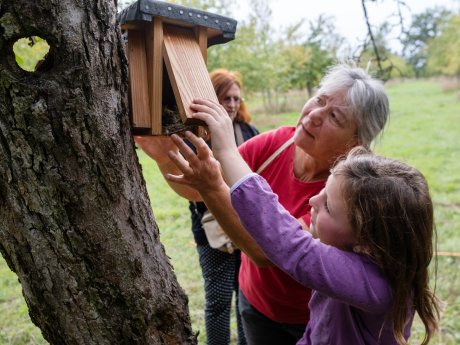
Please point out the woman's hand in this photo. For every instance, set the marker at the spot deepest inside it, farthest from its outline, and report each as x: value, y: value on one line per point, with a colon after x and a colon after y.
x: 219, y: 124
x: 156, y: 148
x: 200, y: 171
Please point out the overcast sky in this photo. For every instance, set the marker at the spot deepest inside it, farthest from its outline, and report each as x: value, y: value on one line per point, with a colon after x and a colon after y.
x: 348, y: 13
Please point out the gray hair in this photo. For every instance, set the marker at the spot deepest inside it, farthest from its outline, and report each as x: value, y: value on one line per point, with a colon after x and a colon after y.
x: 365, y: 95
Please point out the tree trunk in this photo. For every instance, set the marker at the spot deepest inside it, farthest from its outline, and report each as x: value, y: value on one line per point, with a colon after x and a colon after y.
x: 75, y: 220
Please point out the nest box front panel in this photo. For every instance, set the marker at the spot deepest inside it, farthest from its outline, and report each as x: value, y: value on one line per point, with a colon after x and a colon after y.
x: 186, y: 69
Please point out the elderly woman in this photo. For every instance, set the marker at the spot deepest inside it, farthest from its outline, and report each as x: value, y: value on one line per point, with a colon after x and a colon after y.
x: 349, y: 109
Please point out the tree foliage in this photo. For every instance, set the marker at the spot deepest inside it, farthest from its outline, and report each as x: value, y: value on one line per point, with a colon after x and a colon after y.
x: 272, y: 63
x: 319, y: 51
x: 425, y: 27
x: 444, y: 50
x: 255, y: 53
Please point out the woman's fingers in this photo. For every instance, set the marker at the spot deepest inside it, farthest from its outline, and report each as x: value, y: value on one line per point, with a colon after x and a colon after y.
x: 186, y: 151
x: 197, y: 167
x: 180, y: 162
x: 202, y: 149
x: 189, y: 158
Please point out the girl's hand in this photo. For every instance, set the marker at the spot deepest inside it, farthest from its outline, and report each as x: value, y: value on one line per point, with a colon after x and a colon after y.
x: 200, y: 171
x: 219, y: 123
x: 156, y: 148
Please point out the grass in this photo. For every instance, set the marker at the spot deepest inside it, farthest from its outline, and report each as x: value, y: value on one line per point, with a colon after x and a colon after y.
x: 423, y: 131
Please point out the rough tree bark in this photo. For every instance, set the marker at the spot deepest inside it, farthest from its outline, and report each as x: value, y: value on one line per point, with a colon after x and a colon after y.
x: 75, y: 220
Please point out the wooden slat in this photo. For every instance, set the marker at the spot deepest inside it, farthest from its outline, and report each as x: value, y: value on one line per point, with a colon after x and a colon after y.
x: 138, y: 79
x: 155, y: 73
x: 201, y: 34
x: 186, y: 69
x: 202, y: 38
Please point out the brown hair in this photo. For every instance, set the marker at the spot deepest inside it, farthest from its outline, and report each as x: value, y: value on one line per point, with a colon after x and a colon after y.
x: 222, y: 80
x: 391, y: 212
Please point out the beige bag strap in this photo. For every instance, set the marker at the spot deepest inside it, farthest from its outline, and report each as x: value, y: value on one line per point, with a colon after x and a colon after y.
x: 238, y: 133
x: 275, y: 154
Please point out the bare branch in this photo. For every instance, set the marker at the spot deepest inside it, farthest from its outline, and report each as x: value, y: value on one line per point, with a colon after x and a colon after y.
x: 371, y: 36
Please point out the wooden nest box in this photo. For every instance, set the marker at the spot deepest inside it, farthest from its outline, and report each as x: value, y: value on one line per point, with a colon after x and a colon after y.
x: 167, y: 53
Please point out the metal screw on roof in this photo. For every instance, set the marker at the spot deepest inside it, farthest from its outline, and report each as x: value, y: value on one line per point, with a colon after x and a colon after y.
x: 181, y: 12
x: 169, y: 8
x: 205, y: 17
x: 190, y: 14
x: 217, y: 21
x: 198, y: 15
x: 146, y: 7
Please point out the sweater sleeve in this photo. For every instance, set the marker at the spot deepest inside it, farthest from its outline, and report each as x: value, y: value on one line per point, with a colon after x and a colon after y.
x: 346, y: 276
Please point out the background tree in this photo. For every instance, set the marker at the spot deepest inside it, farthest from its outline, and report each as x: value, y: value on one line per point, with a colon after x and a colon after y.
x: 255, y: 53
x: 424, y: 27
x: 319, y: 50
x: 75, y: 221
x: 444, y: 50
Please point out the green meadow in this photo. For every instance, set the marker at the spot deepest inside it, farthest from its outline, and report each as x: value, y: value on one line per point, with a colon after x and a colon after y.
x: 423, y: 130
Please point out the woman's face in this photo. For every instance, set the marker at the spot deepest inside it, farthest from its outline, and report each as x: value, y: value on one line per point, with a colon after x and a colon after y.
x: 329, y: 220
x: 231, y: 101
x: 326, y: 128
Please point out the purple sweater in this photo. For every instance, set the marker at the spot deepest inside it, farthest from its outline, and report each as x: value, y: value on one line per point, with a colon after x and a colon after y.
x: 351, y: 296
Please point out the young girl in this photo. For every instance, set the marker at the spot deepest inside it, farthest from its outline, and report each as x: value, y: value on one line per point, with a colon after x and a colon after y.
x: 374, y: 224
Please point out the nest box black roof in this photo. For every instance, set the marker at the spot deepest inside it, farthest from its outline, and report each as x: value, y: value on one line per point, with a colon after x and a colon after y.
x: 222, y: 29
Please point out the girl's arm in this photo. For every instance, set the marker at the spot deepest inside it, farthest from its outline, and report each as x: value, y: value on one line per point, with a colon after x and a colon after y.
x: 346, y: 276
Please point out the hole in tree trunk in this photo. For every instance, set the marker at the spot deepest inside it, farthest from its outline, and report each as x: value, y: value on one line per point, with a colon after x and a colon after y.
x: 32, y: 54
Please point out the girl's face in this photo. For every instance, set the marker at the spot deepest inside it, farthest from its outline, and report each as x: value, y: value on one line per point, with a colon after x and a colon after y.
x: 329, y: 221
x: 326, y: 128
x: 231, y: 101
